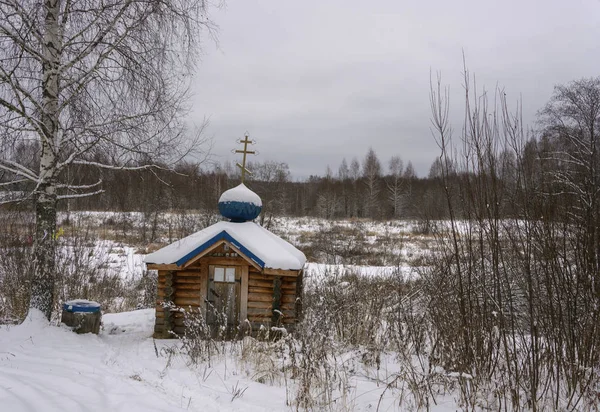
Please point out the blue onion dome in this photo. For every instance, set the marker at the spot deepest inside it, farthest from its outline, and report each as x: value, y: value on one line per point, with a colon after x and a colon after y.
x: 240, y: 204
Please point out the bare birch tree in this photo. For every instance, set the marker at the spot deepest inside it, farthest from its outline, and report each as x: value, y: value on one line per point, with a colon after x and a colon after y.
x: 99, y: 83
x: 355, y: 204
x: 394, y: 184
x: 371, y: 174
x: 572, y: 121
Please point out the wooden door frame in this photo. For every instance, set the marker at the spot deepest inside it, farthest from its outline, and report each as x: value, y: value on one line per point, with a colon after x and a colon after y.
x: 243, y: 295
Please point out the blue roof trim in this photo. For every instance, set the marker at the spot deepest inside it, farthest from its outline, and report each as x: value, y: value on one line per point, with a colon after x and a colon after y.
x: 218, y: 237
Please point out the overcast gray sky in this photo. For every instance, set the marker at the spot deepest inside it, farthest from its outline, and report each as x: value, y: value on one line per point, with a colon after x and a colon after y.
x: 316, y: 81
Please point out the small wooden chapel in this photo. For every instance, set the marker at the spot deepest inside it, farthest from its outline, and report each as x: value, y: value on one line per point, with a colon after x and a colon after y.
x: 236, y: 273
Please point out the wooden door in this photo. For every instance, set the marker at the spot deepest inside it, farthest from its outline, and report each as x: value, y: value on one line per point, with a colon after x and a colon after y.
x: 223, y: 298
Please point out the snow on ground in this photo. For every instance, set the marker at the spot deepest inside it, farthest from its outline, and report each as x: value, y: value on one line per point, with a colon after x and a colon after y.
x: 47, y: 368
x: 124, y: 260
x: 50, y: 368
x: 410, y: 248
x: 318, y: 271
x: 114, y: 257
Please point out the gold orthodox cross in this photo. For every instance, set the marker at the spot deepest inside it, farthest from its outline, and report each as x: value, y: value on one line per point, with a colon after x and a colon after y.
x: 245, y: 152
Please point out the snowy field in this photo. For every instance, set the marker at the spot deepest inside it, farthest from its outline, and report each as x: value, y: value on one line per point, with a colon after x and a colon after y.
x: 49, y: 368
x: 370, y: 246
x: 359, y: 347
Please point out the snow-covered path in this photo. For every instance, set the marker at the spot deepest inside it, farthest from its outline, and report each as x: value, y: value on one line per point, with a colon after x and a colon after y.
x: 48, y: 368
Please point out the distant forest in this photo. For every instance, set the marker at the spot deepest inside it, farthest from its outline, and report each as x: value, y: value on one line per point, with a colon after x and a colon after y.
x: 363, y: 188
x: 495, y: 161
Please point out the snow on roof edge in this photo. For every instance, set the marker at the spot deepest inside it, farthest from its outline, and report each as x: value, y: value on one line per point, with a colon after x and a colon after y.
x: 223, y: 235
x: 254, y: 241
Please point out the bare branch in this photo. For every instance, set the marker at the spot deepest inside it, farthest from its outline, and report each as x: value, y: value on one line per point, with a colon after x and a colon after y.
x: 114, y: 167
x: 14, y: 182
x: 78, y: 187
x: 79, y: 195
x: 18, y: 169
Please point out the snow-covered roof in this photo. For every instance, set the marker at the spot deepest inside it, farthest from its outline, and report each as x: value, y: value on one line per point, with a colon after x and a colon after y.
x: 240, y: 193
x: 257, y: 243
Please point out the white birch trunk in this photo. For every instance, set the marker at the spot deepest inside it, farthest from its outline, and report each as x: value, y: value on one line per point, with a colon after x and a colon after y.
x: 44, y: 248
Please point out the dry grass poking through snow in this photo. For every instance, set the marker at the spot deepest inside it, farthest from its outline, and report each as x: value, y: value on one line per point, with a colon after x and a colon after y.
x: 388, y: 314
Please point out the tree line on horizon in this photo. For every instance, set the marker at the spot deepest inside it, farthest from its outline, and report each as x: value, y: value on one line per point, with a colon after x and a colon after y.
x: 365, y: 188
x: 358, y: 189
